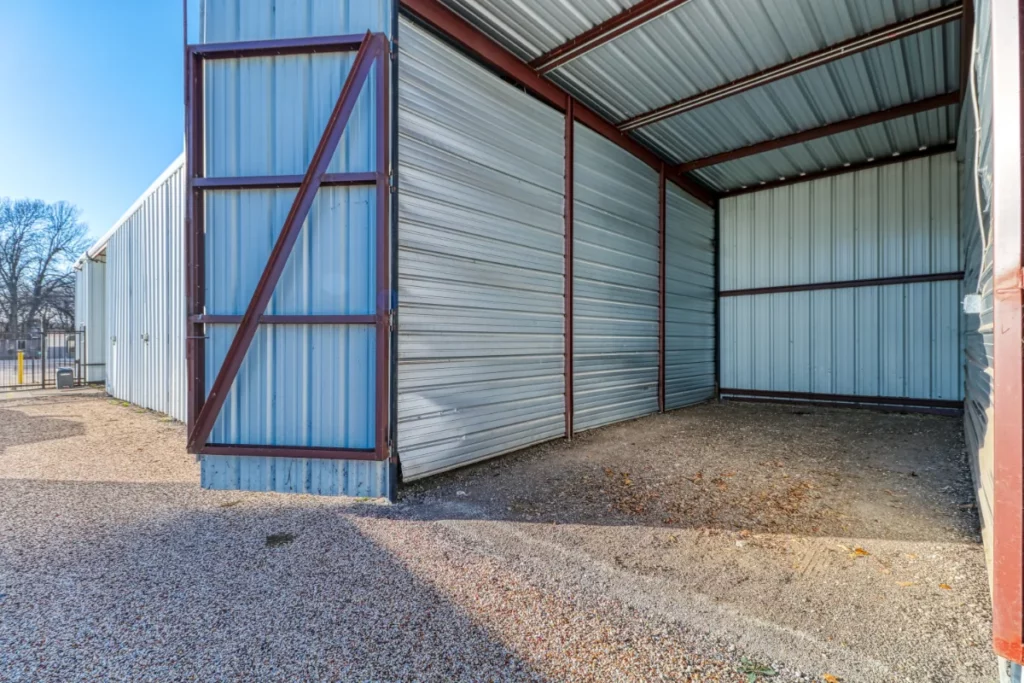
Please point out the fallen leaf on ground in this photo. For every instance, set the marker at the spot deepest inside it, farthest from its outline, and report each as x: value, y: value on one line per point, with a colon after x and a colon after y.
x: 945, y: 587
x: 860, y: 552
x: 905, y: 584
x: 829, y: 678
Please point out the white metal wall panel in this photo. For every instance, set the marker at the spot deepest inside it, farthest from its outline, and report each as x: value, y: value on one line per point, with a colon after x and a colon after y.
x: 145, y: 352
x: 91, y: 316
x: 689, y: 300
x: 897, y: 340
x: 615, y: 283
x: 299, y: 385
x: 481, y: 262
x: 975, y: 149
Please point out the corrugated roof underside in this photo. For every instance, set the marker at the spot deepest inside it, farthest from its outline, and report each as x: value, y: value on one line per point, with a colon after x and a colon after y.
x: 914, y: 68
x: 701, y: 45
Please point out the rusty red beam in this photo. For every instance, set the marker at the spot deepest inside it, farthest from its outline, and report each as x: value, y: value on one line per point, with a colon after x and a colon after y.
x: 846, y: 284
x: 839, y: 170
x: 608, y: 30
x: 195, y: 249
x: 966, y: 46
x: 854, y: 123
x: 461, y: 32
x: 384, y: 301
x: 321, y: 453
x: 371, y: 50
x: 279, y: 46
x: 846, y: 48
x: 570, y: 122
x: 1007, y: 44
x: 282, y: 181
x: 286, y: 319
x: 662, y: 209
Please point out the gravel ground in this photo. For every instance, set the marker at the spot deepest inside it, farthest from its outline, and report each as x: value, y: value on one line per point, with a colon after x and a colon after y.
x: 608, y: 559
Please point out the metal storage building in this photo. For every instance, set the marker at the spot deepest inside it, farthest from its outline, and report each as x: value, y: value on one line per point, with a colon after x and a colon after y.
x: 423, y: 233
x: 129, y: 300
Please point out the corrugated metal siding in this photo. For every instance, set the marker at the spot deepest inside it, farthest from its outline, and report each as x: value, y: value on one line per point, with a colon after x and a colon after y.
x: 481, y: 262
x: 897, y: 340
x: 615, y: 284
x: 978, y: 329
x: 689, y: 300
x: 91, y: 316
x: 309, y: 385
x: 144, y: 302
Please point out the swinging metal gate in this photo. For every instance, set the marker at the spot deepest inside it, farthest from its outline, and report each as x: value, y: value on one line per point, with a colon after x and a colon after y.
x: 32, y: 361
x: 204, y: 407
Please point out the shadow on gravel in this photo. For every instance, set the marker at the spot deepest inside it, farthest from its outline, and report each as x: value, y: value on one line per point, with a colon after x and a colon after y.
x: 20, y: 428
x: 124, y: 588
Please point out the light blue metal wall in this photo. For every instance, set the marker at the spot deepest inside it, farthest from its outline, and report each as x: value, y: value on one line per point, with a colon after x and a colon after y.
x: 91, y: 316
x: 144, y: 301
x: 481, y: 262
x: 615, y: 283
x: 896, y: 340
x: 309, y: 385
x: 689, y: 300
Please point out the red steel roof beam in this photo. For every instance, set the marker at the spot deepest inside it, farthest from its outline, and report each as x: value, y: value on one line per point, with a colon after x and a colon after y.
x: 824, y: 131
x: 846, y: 48
x: 605, y: 32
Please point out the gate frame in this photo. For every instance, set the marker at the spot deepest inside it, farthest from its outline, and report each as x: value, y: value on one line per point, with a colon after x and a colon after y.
x: 373, y: 53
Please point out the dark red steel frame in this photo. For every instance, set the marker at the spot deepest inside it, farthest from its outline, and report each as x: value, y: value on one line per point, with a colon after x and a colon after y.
x: 570, y: 125
x: 203, y: 407
x: 662, y: 222
x: 846, y: 284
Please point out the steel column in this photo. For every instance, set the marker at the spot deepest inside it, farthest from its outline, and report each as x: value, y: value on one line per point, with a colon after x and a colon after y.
x: 662, y: 223
x: 570, y: 108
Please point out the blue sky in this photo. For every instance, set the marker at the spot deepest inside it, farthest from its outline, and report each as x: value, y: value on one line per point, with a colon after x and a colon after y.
x: 92, y: 100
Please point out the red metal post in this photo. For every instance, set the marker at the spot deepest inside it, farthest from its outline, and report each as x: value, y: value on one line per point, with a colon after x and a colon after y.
x: 570, y: 109
x: 383, y: 330
x: 370, y: 49
x: 195, y: 252
x: 662, y: 208
x: 1008, y: 363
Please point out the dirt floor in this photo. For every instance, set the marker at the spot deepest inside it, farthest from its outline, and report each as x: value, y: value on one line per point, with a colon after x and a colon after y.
x: 712, y: 543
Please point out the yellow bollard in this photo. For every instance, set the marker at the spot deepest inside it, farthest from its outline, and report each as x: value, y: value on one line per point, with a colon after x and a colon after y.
x: 21, y: 367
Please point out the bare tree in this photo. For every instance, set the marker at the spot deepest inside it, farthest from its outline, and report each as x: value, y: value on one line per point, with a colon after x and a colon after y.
x: 38, y: 245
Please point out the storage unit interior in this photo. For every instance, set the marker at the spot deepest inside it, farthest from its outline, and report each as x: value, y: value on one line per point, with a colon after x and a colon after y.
x: 593, y: 227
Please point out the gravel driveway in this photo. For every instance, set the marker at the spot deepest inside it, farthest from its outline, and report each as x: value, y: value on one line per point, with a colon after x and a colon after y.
x: 115, y: 565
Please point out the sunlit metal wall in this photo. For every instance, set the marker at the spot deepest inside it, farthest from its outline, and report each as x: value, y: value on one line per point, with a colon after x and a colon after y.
x: 900, y: 340
x: 615, y: 284
x: 689, y: 300
x: 481, y: 262
x: 145, y: 350
x: 308, y: 385
x: 91, y: 316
